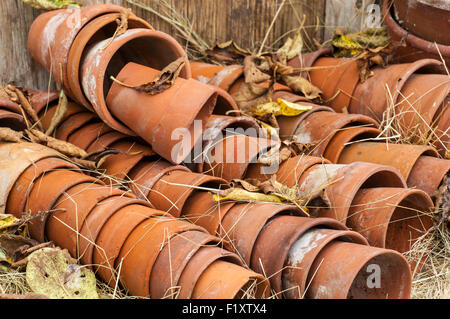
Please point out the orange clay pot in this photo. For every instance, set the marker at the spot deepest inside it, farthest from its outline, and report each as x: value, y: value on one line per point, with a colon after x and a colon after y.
x: 162, y: 130
x: 338, y: 184
x: 156, y: 49
x: 342, y: 270
x: 273, y: 243
x: 72, y: 124
x: 221, y: 76
x: 428, y: 173
x: 303, y: 253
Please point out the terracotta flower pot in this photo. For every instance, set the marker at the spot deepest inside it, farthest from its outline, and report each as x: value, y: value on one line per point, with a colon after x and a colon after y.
x: 87, y: 134
x: 319, y: 128
x: 243, y: 223
x: 307, y: 60
x: 289, y: 171
x: 289, y: 124
x: 337, y: 79
x: 112, y: 236
x: 184, y: 246
x: 410, y: 47
x: 23, y: 155
x: 229, y: 157
x: 105, y: 140
x: 19, y: 194
x: 64, y: 226
x: 338, y: 184
x: 442, y: 131
x: 273, y: 243
x: 40, y: 100
x: 224, y: 280
x: 162, y: 129
x: 46, y: 192
x: 52, y: 34
x: 303, y: 253
x: 428, y: 173
x: 424, y: 98
x: 217, y: 75
x: 72, y: 124
x: 148, y: 48
x: 432, y: 14
x: 172, y: 190
x: 10, y: 115
x: 401, y: 156
x: 101, y: 28
x: 346, y: 136
x: 371, y: 97
x: 343, y: 270
x: 391, y: 218
x: 146, y: 173
x: 202, y: 210
x: 141, y: 249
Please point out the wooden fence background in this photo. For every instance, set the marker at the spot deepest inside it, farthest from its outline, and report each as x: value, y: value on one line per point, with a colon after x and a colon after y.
x: 244, y: 21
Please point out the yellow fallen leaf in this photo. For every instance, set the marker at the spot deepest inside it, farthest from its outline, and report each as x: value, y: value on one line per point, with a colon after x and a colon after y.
x: 7, y: 221
x: 281, y: 107
x: 238, y: 194
x: 447, y: 154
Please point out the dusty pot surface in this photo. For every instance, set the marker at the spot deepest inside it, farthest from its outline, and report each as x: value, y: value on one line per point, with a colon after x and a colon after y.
x: 303, y: 253
x: 52, y: 34
x: 410, y: 48
x: 221, y: 76
x: 401, y: 156
x: 428, y: 173
x: 171, y: 134
x: 224, y: 280
x: 372, y: 98
x: 337, y: 79
x: 149, y: 48
x: 319, y: 128
x: 333, y: 186
x: 243, y: 223
x: 99, y: 29
x: 272, y: 246
x: 392, y: 218
x: 342, y: 270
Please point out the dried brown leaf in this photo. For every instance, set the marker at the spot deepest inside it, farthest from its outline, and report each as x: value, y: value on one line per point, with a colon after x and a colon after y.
x: 301, y: 85
x: 252, y: 72
x: 251, y: 95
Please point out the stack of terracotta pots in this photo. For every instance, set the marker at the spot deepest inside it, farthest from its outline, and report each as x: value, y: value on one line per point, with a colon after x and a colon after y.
x: 244, y: 228
x: 115, y: 233
x: 10, y: 115
x: 80, y: 48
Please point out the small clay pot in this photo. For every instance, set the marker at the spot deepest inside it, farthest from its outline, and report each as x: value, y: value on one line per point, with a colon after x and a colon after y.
x: 147, y: 239
x: 175, y: 256
x: 12, y: 120
x: 242, y: 224
x: 146, y: 173
x: 87, y: 134
x: 105, y: 140
x: 289, y: 171
x: 72, y: 124
x: 392, y: 218
x: 200, y: 261
x: 303, y: 253
x: 273, y: 243
x: 172, y: 190
x: 46, y: 192
x: 148, y: 48
x: 442, y: 141
x: 337, y: 79
x: 19, y: 194
x: 319, y: 128
x: 229, y: 157
x: 163, y: 129
x: 202, y: 210
x: 40, y: 100
x: 224, y: 280
x: 408, y: 47
x: 343, y: 270
x: 220, y: 76
x: 346, y: 136
x: 428, y: 173
x: 371, y: 97
x: 99, y: 29
x: 113, y: 235
x: 422, y: 101
x: 401, y: 156
x: 52, y: 34
x: 63, y: 227
x: 307, y: 60
x: 337, y: 185
x: 23, y: 155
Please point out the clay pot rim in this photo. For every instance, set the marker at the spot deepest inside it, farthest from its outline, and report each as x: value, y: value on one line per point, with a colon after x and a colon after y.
x: 299, y: 119
x: 99, y: 104
x: 79, y: 46
x: 410, y: 38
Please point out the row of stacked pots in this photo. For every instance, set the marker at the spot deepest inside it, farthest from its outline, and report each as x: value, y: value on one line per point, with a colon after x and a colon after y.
x: 270, y: 239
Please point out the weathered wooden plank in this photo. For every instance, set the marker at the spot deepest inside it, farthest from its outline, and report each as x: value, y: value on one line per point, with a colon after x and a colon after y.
x: 245, y: 21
